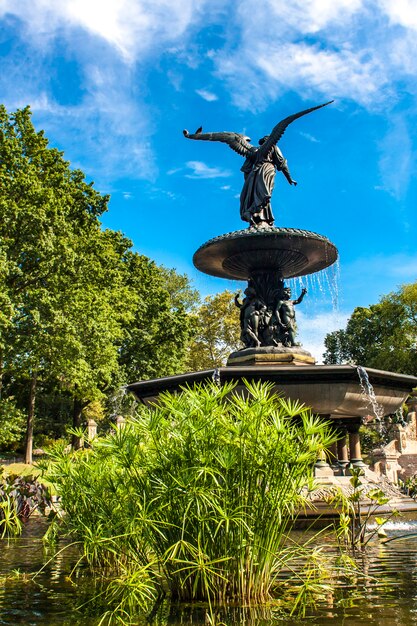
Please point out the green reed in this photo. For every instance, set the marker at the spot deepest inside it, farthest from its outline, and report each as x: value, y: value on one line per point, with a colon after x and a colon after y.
x: 196, y: 495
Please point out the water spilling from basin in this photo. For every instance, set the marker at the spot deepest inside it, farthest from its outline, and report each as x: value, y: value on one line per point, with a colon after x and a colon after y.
x: 369, y: 394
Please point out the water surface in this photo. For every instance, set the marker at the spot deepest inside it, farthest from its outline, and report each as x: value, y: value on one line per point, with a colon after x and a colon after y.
x: 388, y: 594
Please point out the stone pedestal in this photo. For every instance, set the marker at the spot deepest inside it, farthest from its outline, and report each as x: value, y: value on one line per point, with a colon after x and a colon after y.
x: 120, y: 421
x: 386, y: 461
x: 91, y: 429
x: 270, y: 355
x: 321, y: 468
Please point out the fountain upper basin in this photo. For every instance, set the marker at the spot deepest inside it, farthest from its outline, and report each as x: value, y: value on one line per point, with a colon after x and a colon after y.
x: 328, y: 389
x: 288, y: 252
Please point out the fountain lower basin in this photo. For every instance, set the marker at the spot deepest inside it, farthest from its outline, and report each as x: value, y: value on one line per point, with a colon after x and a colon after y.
x: 336, y: 392
x: 330, y: 390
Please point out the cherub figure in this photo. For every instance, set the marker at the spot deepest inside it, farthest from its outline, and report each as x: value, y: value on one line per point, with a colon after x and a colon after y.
x: 250, y: 314
x: 285, y: 316
x: 259, y: 167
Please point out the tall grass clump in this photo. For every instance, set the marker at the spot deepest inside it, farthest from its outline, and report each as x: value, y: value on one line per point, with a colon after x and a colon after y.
x: 194, y: 496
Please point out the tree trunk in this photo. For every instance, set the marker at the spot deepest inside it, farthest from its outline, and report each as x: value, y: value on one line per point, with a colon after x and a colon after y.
x: 76, y: 422
x: 30, y: 418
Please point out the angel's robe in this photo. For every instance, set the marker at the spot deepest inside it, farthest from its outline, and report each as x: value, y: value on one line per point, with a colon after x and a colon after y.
x: 255, y: 205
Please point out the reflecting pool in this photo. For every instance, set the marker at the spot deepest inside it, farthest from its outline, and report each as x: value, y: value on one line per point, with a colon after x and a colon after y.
x: 388, y: 593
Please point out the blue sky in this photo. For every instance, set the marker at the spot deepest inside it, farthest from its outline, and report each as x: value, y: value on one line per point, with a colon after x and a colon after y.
x: 114, y: 83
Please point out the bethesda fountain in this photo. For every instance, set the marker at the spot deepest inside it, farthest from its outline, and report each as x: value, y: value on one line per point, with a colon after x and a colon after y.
x: 264, y: 256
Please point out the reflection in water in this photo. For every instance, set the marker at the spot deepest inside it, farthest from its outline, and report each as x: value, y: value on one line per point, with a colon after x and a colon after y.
x: 388, y: 595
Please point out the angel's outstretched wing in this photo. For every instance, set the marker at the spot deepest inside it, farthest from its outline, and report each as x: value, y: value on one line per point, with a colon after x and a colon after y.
x: 280, y: 128
x: 238, y: 143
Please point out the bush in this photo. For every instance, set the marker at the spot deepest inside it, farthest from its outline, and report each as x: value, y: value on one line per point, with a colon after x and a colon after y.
x: 196, y: 494
x: 20, y: 497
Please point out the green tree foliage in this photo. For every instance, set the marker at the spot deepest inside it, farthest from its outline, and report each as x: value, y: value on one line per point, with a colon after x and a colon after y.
x: 182, y: 295
x: 45, y: 208
x: 12, y: 422
x: 383, y: 335
x: 216, y: 332
x: 80, y: 314
x: 158, y: 331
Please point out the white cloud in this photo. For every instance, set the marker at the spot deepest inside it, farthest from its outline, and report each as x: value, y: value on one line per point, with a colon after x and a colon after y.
x: 201, y: 170
x: 314, y: 328
x: 402, y: 12
x: 368, y: 278
x: 397, y: 160
x: 114, y: 130
x: 104, y: 129
x: 344, y: 49
x: 225, y: 187
x: 206, y: 95
x: 309, y: 137
x: 311, y: 16
x: 111, y: 42
x: 393, y: 269
x: 309, y: 69
x: 131, y: 27
x: 156, y: 192
x: 314, y: 46
x: 82, y: 130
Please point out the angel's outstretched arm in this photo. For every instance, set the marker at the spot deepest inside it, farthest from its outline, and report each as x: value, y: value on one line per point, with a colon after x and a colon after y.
x: 238, y: 143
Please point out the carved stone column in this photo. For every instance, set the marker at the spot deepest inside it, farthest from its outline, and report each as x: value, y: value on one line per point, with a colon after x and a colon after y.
x: 342, y: 451
x: 322, y: 468
x: 355, y: 445
x: 332, y: 456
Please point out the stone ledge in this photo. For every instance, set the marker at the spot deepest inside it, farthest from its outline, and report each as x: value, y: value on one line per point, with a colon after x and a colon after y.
x: 271, y: 356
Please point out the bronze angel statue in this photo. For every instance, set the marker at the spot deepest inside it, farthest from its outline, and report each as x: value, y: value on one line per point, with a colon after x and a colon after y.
x: 259, y: 167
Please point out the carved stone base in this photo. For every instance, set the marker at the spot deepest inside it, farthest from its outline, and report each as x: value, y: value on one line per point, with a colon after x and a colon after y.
x: 270, y: 355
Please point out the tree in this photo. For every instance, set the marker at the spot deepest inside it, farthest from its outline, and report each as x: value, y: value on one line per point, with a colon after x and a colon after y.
x: 43, y: 207
x: 216, y: 332
x: 383, y: 335
x: 181, y: 293
x: 159, y: 329
x: 81, y: 314
x: 50, y: 242
x: 94, y: 311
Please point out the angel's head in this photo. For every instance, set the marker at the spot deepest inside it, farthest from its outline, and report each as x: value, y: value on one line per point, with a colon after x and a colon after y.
x: 263, y: 139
